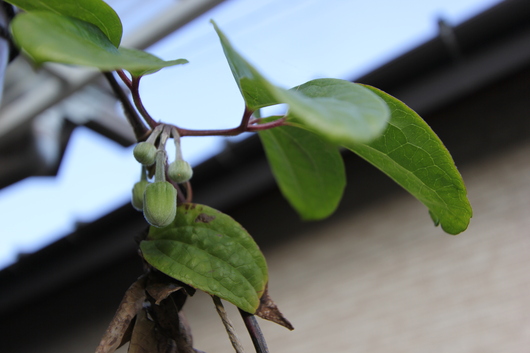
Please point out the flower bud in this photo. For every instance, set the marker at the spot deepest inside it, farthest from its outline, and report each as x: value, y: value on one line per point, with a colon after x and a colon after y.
x: 145, y: 153
x: 160, y: 203
x: 138, y: 192
x: 180, y: 171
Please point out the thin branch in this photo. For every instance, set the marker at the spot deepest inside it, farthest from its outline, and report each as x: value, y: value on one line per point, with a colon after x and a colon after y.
x: 255, y: 332
x: 247, y: 114
x: 124, y: 78
x: 189, y: 192
x: 236, y: 343
x: 180, y: 197
x: 245, y: 126
x: 135, y: 91
x: 138, y: 126
x: 9, y: 12
x: 266, y: 126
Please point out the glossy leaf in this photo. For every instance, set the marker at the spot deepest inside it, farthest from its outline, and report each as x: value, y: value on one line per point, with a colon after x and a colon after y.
x: 67, y: 40
x: 96, y: 12
x: 411, y: 154
x: 256, y: 90
x: 339, y: 110
x: 208, y: 250
x: 309, y: 171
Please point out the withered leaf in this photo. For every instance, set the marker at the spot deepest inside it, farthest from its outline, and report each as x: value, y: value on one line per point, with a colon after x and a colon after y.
x: 117, y: 332
x: 160, y: 291
x: 159, y: 286
x: 269, y: 311
x: 173, y: 323
x: 146, y: 338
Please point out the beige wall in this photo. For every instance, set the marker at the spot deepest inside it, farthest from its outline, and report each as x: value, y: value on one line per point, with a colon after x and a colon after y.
x: 386, y: 280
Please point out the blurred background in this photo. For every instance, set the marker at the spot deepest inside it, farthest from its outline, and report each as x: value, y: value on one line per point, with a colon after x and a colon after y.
x: 377, y: 276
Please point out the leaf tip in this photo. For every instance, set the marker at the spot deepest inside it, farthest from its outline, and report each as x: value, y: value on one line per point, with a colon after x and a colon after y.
x: 434, y: 218
x: 268, y: 310
x: 214, y: 24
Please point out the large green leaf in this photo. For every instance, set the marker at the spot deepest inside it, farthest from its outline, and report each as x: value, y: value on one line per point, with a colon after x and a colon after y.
x: 411, y: 154
x: 339, y: 110
x: 45, y: 36
x: 96, y: 12
x: 208, y: 250
x: 256, y: 90
x: 308, y: 170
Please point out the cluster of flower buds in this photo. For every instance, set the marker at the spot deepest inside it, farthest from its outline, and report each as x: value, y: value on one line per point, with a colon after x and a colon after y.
x: 158, y: 199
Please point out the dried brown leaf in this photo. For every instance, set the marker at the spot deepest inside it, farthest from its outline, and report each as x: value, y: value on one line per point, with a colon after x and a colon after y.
x: 269, y: 311
x: 173, y: 323
x: 117, y: 332
x: 160, y: 291
x: 160, y: 286
x: 146, y: 338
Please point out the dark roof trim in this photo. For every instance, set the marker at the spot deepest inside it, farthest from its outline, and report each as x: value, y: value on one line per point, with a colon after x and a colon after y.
x: 487, y: 32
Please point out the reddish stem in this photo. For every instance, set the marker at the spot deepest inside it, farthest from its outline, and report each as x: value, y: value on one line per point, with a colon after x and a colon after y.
x: 266, y: 126
x: 189, y: 192
x: 138, y: 126
x: 124, y: 78
x: 245, y: 126
x: 135, y: 91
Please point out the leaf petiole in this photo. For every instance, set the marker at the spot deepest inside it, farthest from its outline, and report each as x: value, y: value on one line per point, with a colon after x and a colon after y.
x: 135, y: 91
x: 124, y: 78
x: 141, y: 132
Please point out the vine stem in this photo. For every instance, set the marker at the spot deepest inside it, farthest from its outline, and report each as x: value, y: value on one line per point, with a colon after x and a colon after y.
x: 244, y: 127
x: 266, y: 126
x: 124, y: 78
x: 236, y: 343
x: 189, y: 192
x: 255, y: 332
x: 135, y: 91
x: 140, y: 130
x: 180, y: 197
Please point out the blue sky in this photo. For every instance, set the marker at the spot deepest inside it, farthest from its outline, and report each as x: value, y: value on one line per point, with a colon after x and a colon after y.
x: 289, y: 42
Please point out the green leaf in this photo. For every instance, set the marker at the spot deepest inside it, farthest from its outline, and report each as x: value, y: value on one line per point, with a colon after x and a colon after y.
x: 46, y: 36
x: 256, y: 90
x: 309, y: 171
x: 339, y: 110
x: 410, y: 153
x: 208, y: 250
x: 96, y: 12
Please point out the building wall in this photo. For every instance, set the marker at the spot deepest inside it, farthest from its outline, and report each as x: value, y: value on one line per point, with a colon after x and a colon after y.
x: 385, y: 280
x: 378, y: 279
x: 374, y: 278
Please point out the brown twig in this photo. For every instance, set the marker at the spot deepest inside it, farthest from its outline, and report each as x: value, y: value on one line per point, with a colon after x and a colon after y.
x: 135, y: 91
x: 140, y: 130
x: 236, y: 343
x: 246, y: 125
x: 189, y: 192
x: 255, y: 332
x: 124, y: 78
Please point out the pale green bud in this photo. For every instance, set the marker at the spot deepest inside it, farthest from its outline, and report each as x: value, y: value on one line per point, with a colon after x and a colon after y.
x: 160, y: 203
x: 138, y: 192
x: 145, y: 153
x: 180, y: 171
